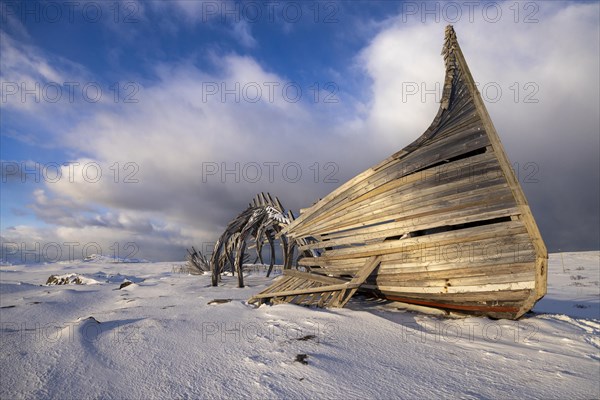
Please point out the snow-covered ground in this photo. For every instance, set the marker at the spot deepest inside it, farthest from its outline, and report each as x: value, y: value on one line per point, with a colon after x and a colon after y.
x: 159, y: 337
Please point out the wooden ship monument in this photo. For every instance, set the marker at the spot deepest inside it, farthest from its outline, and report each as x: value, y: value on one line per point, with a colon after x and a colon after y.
x: 441, y: 223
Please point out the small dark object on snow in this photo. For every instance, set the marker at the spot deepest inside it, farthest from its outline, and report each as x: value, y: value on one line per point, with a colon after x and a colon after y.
x: 64, y: 280
x: 125, y: 284
x: 301, y: 358
x: 219, y: 301
x: 305, y: 338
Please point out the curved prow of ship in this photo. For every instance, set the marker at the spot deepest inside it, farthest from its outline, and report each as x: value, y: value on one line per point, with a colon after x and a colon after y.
x: 442, y: 223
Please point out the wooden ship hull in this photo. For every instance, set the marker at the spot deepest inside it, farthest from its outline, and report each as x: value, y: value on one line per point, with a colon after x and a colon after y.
x: 442, y: 223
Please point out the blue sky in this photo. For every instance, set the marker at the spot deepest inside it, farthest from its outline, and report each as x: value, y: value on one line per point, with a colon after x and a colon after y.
x: 163, y: 98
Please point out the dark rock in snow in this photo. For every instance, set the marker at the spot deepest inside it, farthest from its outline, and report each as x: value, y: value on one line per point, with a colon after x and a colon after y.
x: 301, y: 358
x: 125, y: 284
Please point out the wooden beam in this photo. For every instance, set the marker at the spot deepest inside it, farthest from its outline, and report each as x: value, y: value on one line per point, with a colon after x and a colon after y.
x: 317, y: 289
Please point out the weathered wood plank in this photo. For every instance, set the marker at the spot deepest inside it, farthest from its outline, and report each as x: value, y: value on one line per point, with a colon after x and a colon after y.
x: 314, y: 277
x: 470, y: 271
x: 358, y: 279
x: 461, y: 289
x: 317, y: 289
x: 460, y: 280
x: 501, y: 295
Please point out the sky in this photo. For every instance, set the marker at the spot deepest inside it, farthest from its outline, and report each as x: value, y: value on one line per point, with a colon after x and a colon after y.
x: 138, y: 129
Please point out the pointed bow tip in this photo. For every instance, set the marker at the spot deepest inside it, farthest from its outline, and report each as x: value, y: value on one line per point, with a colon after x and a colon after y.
x: 450, y: 34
